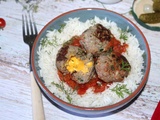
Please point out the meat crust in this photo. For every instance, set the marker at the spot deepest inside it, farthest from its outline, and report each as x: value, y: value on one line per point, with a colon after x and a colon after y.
x: 112, y: 68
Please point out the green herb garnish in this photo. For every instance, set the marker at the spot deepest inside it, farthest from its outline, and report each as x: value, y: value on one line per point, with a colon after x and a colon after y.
x: 124, y: 35
x: 110, y: 50
x: 125, y: 66
x: 45, y: 42
x: 61, y: 87
x: 61, y: 27
x: 80, y: 79
x: 120, y: 90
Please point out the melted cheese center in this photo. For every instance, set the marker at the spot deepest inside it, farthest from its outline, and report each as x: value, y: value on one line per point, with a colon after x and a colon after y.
x: 75, y: 64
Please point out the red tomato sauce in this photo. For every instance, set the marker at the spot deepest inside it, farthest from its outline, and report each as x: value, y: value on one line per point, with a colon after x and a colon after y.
x: 117, y: 47
x: 75, y: 41
x: 95, y: 83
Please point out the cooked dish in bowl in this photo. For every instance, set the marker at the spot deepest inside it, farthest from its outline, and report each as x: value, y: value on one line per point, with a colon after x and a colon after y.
x: 78, y: 58
x: 91, y: 65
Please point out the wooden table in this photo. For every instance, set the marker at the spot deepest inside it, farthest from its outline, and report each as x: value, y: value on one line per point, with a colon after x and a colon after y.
x: 15, y: 88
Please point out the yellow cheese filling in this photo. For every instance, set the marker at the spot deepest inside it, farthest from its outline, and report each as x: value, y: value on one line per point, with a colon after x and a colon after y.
x: 76, y: 64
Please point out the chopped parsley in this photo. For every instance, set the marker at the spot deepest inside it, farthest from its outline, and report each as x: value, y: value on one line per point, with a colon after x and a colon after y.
x: 80, y: 79
x: 61, y: 87
x: 45, y: 42
x: 123, y: 35
x: 125, y: 66
x: 61, y: 27
x: 120, y: 90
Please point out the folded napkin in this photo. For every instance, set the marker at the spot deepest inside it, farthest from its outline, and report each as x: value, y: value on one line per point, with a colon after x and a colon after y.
x: 156, y: 114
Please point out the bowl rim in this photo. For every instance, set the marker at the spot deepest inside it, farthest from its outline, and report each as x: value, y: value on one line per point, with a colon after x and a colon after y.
x: 108, y: 107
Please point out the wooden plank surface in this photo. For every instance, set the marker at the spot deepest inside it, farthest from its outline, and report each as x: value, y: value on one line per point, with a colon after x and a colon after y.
x: 15, y: 97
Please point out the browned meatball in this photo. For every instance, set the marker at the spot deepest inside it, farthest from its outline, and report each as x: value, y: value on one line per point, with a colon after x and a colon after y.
x: 73, y: 60
x: 61, y: 59
x: 95, y: 39
x: 112, y: 68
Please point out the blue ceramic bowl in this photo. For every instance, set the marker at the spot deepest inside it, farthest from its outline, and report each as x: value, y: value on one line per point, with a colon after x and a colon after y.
x: 85, y: 14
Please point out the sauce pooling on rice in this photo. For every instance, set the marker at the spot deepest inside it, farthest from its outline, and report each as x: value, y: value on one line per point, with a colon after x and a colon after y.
x: 92, y: 60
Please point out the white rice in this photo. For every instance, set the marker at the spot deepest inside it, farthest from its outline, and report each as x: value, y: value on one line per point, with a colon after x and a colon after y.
x: 47, y: 55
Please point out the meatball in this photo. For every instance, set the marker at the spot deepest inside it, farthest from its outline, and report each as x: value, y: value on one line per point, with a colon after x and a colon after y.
x: 112, y: 68
x: 73, y: 60
x: 95, y: 39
